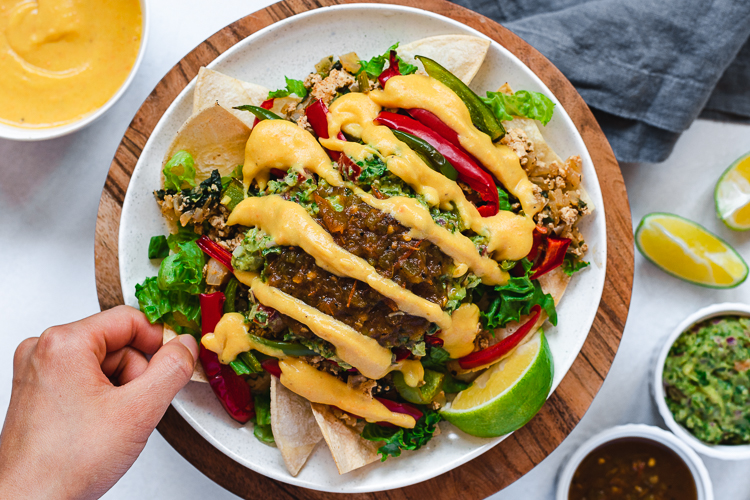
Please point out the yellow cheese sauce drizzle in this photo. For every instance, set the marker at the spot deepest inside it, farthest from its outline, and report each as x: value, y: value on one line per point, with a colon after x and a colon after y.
x: 321, y: 387
x: 290, y: 224
x: 230, y: 338
x: 363, y: 353
x: 420, y: 91
x: 282, y: 144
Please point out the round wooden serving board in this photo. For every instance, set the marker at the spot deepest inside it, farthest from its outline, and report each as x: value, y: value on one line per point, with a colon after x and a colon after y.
x: 516, y: 455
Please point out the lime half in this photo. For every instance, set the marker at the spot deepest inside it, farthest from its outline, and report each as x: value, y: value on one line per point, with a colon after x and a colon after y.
x: 507, y: 395
x: 689, y: 251
x: 732, y: 195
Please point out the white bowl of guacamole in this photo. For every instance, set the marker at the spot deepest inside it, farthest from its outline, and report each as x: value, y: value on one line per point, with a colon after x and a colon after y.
x: 701, y: 381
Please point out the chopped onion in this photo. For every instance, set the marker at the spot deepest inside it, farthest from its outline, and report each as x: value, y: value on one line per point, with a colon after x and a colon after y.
x: 216, y: 273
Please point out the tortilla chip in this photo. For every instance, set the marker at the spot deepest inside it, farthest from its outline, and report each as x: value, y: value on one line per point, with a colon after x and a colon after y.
x: 215, y: 138
x: 350, y: 450
x: 462, y: 55
x: 294, y: 427
x: 213, y: 87
x: 198, y: 374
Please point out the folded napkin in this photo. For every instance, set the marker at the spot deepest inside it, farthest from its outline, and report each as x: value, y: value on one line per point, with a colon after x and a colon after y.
x: 647, y: 68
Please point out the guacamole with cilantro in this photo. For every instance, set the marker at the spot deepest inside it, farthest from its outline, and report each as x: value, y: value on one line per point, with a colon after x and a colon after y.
x: 707, y: 380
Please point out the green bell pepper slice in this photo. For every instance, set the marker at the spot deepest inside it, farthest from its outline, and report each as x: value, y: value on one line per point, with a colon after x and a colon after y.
x: 260, y: 113
x: 481, y: 114
x: 419, y: 395
x: 429, y: 154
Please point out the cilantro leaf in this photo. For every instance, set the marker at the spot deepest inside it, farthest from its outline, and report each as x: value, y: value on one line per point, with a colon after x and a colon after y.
x: 515, y: 299
x: 572, y: 265
x: 532, y: 105
x: 296, y: 87
x: 396, y: 439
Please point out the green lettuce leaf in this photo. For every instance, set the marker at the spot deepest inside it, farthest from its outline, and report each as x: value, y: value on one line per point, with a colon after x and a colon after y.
x: 183, y: 271
x: 522, y: 103
x: 515, y: 299
x: 503, y: 196
x: 396, y: 439
x: 262, y: 419
x: 572, y: 265
x: 296, y: 87
x: 183, y: 235
x: 375, y: 66
x: 180, y: 310
x: 179, y: 171
x: 158, y: 248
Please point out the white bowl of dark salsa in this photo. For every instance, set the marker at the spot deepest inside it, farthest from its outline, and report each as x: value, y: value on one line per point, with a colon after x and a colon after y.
x: 703, y: 389
x: 634, y: 461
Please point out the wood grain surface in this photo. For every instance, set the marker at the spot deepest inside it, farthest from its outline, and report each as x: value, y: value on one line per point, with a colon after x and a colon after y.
x: 518, y: 454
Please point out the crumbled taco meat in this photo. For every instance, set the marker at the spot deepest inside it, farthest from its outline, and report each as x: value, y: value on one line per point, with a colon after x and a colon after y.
x: 325, y: 90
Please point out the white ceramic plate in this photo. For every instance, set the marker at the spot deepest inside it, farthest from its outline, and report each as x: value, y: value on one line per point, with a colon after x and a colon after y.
x: 41, y: 134
x: 724, y: 452
x: 291, y: 47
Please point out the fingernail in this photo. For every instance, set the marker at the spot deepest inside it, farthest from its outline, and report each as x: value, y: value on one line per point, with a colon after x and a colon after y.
x: 189, y: 341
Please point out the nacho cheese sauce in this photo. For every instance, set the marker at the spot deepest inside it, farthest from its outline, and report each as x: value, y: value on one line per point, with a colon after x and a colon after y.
x: 63, y: 59
x: 280, y: 144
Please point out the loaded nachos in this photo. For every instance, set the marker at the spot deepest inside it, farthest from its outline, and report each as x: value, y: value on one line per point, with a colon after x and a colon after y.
x: 362, y: 251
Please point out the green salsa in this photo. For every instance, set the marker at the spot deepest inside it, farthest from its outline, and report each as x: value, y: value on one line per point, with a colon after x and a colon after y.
x: 707, y: 380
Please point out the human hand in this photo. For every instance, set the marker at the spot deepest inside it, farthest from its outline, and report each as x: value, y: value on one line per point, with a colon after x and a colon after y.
x: 70, y: 432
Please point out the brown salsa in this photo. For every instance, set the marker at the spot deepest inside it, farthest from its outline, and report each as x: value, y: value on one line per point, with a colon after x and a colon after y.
x: 632, y: 468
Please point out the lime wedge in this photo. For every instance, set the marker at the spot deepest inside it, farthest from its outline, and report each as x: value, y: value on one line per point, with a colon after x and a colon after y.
x: 732, y: 195
x: 688, y: 251
x: 507, y: 395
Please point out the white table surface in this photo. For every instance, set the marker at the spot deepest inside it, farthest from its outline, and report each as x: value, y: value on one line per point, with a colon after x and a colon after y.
x: 49, y: 194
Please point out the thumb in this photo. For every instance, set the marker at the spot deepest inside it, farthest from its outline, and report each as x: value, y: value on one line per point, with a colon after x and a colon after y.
x: 168, y: 371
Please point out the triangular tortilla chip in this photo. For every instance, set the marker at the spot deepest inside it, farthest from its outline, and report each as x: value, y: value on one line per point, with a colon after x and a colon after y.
x: 294, y: 427
x: 350, y: 450
x: 198, y: 374
x: 462, y: 55
x: 212, y: 87
x: 215, y: 138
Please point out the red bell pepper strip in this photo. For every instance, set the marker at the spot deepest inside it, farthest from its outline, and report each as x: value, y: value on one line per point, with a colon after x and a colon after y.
x: 391, y: 71
x: 539, y: 235
x: 493, y: 353
x: 231, y: 389
x: 433, y: 340
x: 430, y: 120
x: 468, y: 171
x: 404, y: 408
x: 271, y: 366
x: 213, y: 249
x: 267, y: 104
x: 316, y: 114
x: 553, y: 257
x: 401, y: 353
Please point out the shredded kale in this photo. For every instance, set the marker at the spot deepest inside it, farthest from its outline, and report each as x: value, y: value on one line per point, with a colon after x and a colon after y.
x: 572, y: 264
x: 396, y: 439
x: 522, y: 103
x: 205, y: 194
x: 296, y: 87
x: 515, y: 299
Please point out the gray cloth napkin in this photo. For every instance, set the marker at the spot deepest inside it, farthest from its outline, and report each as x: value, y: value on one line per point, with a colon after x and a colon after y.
x: 647, y: 68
